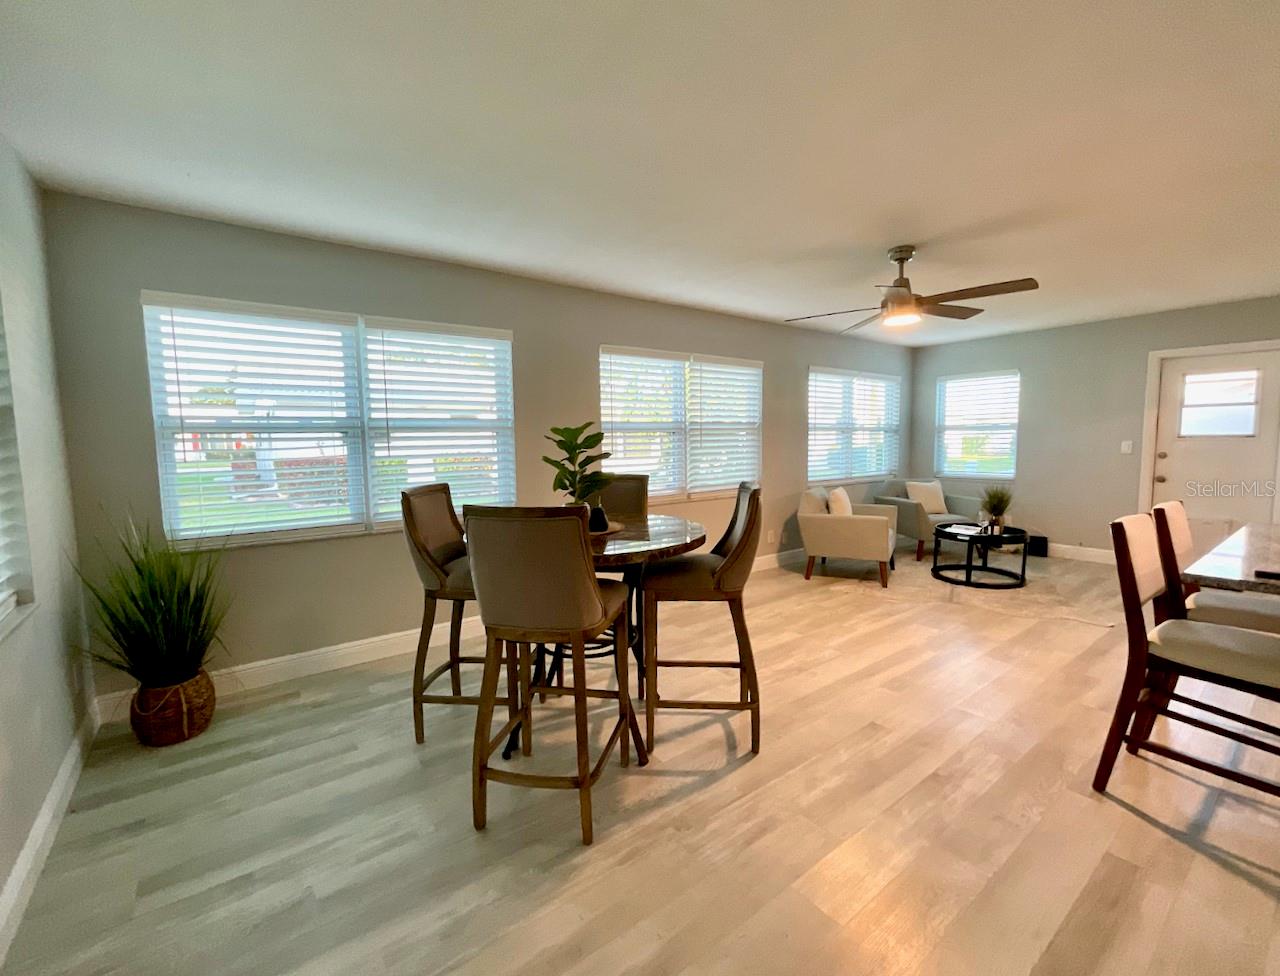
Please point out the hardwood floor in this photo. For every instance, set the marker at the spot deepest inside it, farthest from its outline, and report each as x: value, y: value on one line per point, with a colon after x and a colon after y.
x: 921, y: 804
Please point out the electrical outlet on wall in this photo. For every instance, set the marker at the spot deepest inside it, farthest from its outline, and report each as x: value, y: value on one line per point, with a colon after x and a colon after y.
x: 1126, y: 447
x: 771, y: 535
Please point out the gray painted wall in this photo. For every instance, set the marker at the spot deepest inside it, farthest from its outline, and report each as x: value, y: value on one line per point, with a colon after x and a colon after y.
x: 1082, y: 394
x: 42, y: 681
x: 302, y: 595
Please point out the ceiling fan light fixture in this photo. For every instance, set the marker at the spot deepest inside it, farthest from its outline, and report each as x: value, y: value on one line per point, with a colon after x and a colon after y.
x: 894, y: 320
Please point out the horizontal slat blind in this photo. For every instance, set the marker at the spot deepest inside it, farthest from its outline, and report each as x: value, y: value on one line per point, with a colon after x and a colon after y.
x: 724, y: 424
x: 642, y: 413
x: 285, y: 421
x: 854, y: 424
x: 15, y: 561
x: 977, y: 425
x: 440, y: 409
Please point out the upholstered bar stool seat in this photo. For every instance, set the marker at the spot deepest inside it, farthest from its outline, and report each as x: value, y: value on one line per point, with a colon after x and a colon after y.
x: 1246, y: 655
x: 718, y: 575
x: 1256, y: 611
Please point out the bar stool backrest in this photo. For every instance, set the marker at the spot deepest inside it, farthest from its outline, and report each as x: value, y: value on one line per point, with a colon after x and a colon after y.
x: 625, y: 498
x: 532, y: 568
x: 1141, y: 575
x: 1177, y: 551
x: 740, y: 541
x: 432, y: 529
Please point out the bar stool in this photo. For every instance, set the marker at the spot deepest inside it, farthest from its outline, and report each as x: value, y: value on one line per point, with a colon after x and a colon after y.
x: 719, y: 575
x: 535, y: 580
x: 435, y: 542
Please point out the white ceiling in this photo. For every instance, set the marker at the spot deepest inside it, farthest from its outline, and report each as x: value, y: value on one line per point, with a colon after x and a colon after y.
x: 745, y: 155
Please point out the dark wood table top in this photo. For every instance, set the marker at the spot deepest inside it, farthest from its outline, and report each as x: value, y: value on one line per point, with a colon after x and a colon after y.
x: 660, y: 537
x: 1231, y: 563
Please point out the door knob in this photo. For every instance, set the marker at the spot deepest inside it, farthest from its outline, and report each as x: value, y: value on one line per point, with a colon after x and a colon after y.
x: 1161, y: 479
x: 1162, y: 455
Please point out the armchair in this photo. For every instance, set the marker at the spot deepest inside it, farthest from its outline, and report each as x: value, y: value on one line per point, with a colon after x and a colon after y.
x: 870, y: 532
x: 915, y: 522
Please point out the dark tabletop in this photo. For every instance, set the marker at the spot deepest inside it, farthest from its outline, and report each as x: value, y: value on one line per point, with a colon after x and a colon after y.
x: 660, y: 537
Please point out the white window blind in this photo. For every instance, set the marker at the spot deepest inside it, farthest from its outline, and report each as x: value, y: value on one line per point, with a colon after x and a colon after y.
x: 691, y: 423
x: 291, y: 421
x: 977, y: 426
x: 855, y: 422
x: 15, y: 560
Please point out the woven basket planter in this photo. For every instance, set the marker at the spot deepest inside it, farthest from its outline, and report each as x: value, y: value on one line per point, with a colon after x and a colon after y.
x: 165, y: 716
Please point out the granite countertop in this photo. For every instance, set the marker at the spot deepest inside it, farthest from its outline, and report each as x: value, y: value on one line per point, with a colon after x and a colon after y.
x: 1231, y: 563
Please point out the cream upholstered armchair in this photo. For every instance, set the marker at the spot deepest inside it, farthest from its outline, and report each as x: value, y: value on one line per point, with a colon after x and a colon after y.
x: 866, y: 532
x: 918, y: 519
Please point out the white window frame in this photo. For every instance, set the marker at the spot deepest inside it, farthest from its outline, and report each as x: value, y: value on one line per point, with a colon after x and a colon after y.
x: 683, y: 430
x: 361, y: 426
x: 895, y: 428
x: 940, y: 428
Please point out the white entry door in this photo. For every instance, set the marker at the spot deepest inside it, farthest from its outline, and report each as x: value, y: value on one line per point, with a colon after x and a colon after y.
x: 1217, y: 438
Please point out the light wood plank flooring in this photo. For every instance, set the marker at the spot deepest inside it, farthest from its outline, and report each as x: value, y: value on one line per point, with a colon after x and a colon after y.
x: 920, y: 805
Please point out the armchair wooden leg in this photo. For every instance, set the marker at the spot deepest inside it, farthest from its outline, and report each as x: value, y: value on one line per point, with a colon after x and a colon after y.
x: 650, y: 666
x: 748, y: 662
x: 420, y: 663
x: 455, y: 646
x: 884, y: 575
x: 919, y: 550
x: 808, y: 568
x: 583, y: 735
x: 484, y: 721
x: 1125, y: 705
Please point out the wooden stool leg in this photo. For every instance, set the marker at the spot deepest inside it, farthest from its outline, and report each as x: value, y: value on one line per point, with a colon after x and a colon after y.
x: 526, y: 703
x: 622, y: 666
x: 511, y: 651
x: 650, y: 666
x: 1159, y: 688
x: 583, y: 735
x: 455, y: 647
x: 1125, y: 705
x: 484, y: 722
x: 420, y: 664
x: 748, y: 666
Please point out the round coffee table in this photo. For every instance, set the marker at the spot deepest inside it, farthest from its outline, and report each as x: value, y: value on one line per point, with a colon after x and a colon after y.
x: 979, y: 540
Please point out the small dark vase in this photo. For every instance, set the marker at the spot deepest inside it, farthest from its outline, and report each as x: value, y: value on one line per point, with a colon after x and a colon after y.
x: 599, y: 520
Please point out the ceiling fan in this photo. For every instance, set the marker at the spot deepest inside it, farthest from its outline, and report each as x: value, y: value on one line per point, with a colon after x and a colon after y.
x: 900, y: 306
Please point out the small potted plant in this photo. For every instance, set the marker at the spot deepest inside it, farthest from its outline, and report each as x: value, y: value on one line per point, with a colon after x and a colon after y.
x: 996, y: 500
x: 158, y: 614
x: 573, y: 470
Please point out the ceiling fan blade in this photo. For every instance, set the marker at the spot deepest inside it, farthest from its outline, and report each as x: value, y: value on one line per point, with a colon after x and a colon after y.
x: 823, y: 315
x: 951, y: 311
x: 859, y: 325
x: 983, y: 291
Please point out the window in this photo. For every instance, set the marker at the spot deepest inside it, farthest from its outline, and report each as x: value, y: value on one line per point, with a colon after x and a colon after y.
x: 1222, y: 404
x: 977, y: 426
x: 854, y: 424
x: 15, y: 563
x: 274, y: 420
x: 691, y: 423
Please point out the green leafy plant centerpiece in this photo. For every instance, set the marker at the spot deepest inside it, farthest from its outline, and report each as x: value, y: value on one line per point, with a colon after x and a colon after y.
x: 996, y: 500
x: 158, y: 614
x: 574, y: 474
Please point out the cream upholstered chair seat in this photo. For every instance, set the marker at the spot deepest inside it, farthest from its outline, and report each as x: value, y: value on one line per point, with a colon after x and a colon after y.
x: 1255, y: 611
x: 945, y: 519
x: 1248, y: 655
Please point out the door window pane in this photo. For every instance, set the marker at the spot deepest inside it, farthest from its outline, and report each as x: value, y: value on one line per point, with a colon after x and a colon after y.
x: 1219, y: 404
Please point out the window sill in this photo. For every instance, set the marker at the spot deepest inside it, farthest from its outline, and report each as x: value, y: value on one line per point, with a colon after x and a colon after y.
x: 15, y: 617
x: 976, y: 477
x: 862, y: 479
x: 287, y: 537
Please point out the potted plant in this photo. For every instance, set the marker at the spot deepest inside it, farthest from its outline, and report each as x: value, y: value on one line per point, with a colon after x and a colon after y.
x: 996, y: 500
x: 573, y: 474
x: 158, y: 614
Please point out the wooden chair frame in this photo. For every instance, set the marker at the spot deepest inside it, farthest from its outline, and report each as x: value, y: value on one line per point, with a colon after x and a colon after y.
x: 428, y: 568
x: 1148, y: 691
x: 748, y: 683
x: 514, y: 646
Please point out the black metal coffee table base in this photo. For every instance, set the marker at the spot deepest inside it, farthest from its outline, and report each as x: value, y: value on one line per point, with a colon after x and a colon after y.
x: 979, y: 575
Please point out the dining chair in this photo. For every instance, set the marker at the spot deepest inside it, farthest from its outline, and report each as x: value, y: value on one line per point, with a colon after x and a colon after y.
x: 720, y: 575
x: 625, y: 498
x: 1232, y: 657
x: 440, y: 556
x: 535, y: 582
x: 1256, y: 611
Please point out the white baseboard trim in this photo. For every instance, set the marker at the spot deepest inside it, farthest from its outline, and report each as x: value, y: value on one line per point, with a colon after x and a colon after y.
x: 21, y: 882
x: 1086, y: 554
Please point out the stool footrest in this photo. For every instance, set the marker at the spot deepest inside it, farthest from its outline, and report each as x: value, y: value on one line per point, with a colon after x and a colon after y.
x: 724, y: 705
